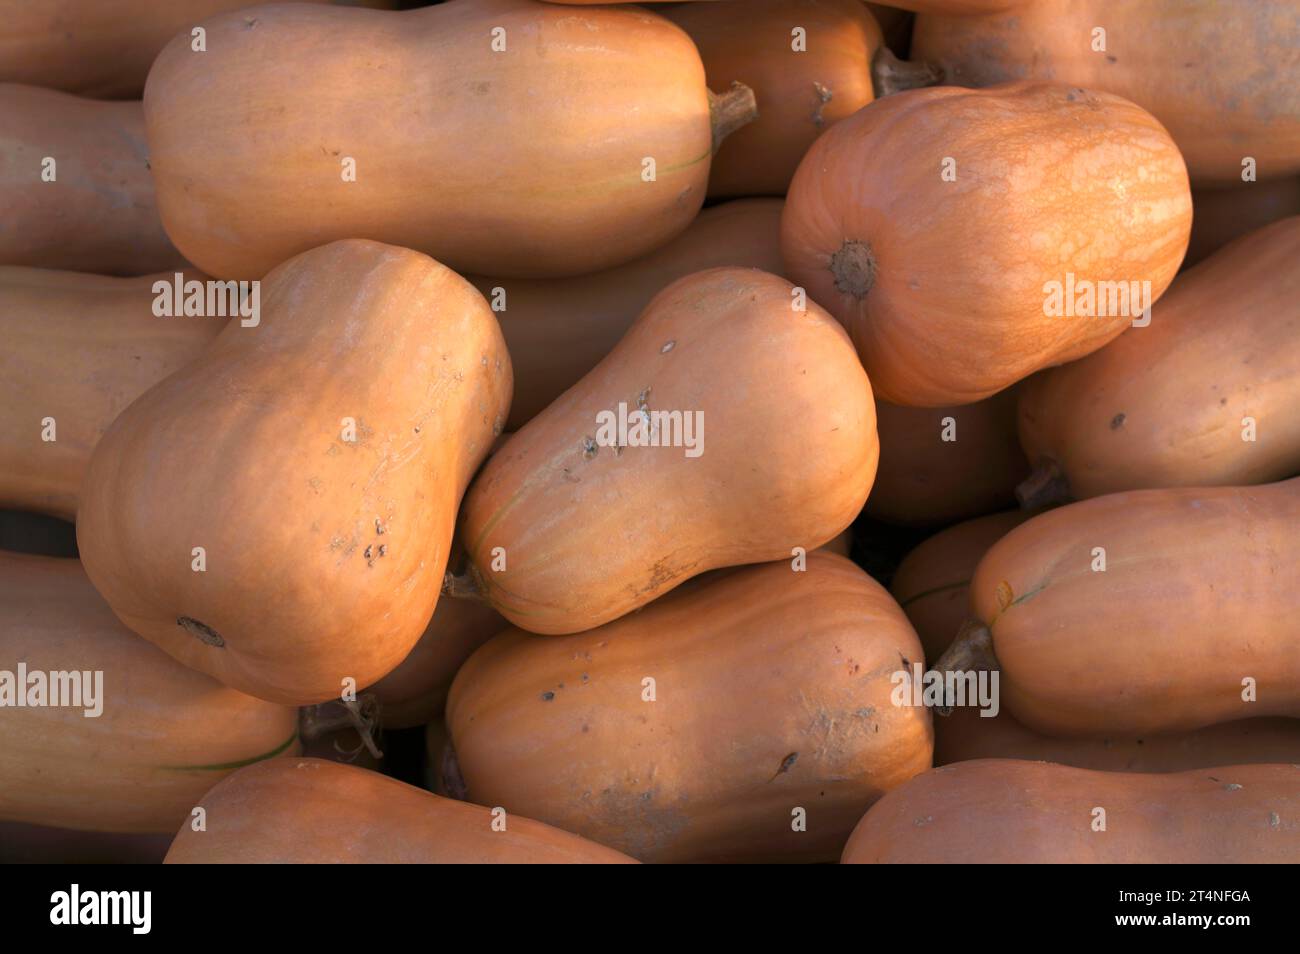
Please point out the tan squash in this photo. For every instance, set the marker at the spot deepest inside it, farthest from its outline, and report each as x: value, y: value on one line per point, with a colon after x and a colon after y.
x: 559, y: 329
x: 769, y: 693
x: 1220, y: 77
x: 416, y: 691
x: 1190, y: 623
x: 96, y: 48
x: 415, y: 128
x: 1001, y: 811
x: 802, y: 85
x: 571, y: 524
x: 309, y: 811
x: 163, y: 736
x: 318, y: 460
x: 1224, y: 215
x: 1204, y: 396
x: 943, y: 464
x: 78, y: 349
x: 933, y: 581
x: 75, y: 186
x: 956, y: 269
x: 966, y: 735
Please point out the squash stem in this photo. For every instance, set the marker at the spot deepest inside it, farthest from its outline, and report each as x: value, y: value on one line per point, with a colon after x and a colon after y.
x: 362, y: 714
x: 1047, y: 486
x: 731, y: 110
x: 971, y: 651
x: 465, y: 586
x: 891, y: 75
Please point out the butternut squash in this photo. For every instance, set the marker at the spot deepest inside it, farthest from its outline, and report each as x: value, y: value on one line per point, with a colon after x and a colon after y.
x: 96, y: 48
x: 1001, y: 811
x: 75, y: 185
x: 1206, y: 395
x: 559, y: 329
x: 933, y: 581
x: 500, y: 136
x: 1226, y: 214
x: 309, y: 811
x: 163, y: 733
x: 1221, y: 78
x: 700, y: 728
x: 323, y: 451
x: 416, y: 691
x: 1108, y: 616
x: 803, y: 83
x: 956, y: 271
x: 943, y: 464
x: 967, y: 735
x: 570, y: 524
x: 78, y: 349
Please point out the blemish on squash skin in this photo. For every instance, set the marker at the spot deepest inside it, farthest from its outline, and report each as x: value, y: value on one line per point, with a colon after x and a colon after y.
x: 785, y: 766
x: 824, y: 96
x: 201, y: 631
x: 548, y: 696
x: 1117, y: 421
x: 588, y: 448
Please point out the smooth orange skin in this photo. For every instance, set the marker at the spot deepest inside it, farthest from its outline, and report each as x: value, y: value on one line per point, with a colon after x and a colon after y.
x: 933, y: 581
x: 99, y: 213
x: 751, y: 667
x: 416, y: 691
x: 559, y: 329
x: 1002, y: 811
x: 591, y: 535
x: 243, y: 453
x: 966, y: 735
x: 1224, y: 215
x: 750, y: 41
x: 924, y: 480
x: 1050, y: 180
x: 95, y: 48
x: 1198, y: 594
x: 78, y: 348
x: 166, y: 733
x: 524, y: 163
x: 1221, y: 77
x: 1163, y: 406
x: 309, y: 811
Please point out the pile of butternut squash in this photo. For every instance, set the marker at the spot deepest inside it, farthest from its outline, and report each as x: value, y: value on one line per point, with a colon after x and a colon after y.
x: 643, y: 420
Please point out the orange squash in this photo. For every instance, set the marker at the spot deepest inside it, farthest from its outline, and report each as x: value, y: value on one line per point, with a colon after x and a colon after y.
x: 967, y: 735
x: 933, y: 581
x: 164, y: 733
x: 559, y: 329
x: 75, y: 185
x: 1172, y: 404
x: 703, y: 727
x: 1220, y: 77
x: 926, y: 479
x: 500, y: 136
x: 1108, y: 616
x: 803, y: 83
x: 1223, y: 215
x: 1001, y: 811
x: 942, y: 266
x: 416, y: 691
x: 96, y: 48
x: 323, y: 451
x: 309, y: 811
x: 78, y: 349
x: 571, y: 525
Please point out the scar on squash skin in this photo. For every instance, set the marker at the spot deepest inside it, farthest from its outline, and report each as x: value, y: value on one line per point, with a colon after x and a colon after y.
x: 203, y: 632
x: 824, y: 96
x: 853, y: 266
x: 785, y: 765
x: 1117, y: 421
x: 588, y: 448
